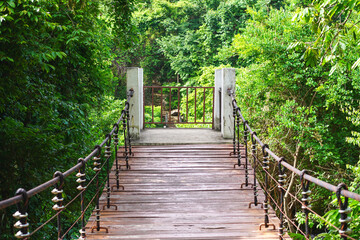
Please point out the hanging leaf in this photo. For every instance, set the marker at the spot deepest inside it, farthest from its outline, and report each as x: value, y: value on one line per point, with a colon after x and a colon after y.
x: 356, y: 64
x: 333, y: 69
x: 311, y: 56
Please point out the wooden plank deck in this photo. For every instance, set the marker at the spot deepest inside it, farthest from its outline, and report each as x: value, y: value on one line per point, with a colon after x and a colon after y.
x: 182, y: 192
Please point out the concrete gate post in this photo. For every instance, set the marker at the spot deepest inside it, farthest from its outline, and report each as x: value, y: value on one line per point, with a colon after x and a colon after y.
x: 134, y: 78
x: 227, y: 119
x: 217, y: 99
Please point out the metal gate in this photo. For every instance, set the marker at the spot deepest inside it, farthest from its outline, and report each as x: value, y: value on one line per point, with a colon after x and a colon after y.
x: 170, y: 106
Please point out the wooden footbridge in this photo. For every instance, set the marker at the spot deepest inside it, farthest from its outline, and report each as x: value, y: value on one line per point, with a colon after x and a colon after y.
x: 182, y: 192
x: 176, y: 183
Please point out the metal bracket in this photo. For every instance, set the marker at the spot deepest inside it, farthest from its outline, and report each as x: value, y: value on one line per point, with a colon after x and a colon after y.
x: 256, y: 204
x: 108, y: 207
x: 247, y: 185
x: 267, y: 225
x: 131, y: 92
x: 98, y: 229
x: 230, y: 91
x: 117, y: 188
x: 239, y: 166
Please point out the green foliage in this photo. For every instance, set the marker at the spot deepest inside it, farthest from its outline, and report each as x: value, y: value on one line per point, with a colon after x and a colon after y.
x: 206, y: 79
x: 156, y: 114
x: 297, y: 83
x: 354, y: 117
x: 297, y: 80
x: 296, y: 236
x: 334, y: 24
x: 196, y: 47
x: 278, y: 85
x: 307, y: 112
x: 176, y: 38
x: 56, y: 82
x: 119, y: 17
x: 332, y: 216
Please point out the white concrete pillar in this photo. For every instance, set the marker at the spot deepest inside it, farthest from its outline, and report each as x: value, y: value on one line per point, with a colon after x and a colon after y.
x: 217, y: 99
x: 134, y: 80
x: 227, y: 119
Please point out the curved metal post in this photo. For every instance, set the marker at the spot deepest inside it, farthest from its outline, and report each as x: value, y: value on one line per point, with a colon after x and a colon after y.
x: 282, y: 180
x: 58, y: 199
x: 117, y: 167
x: 254, y: 154
x: 97, y: 169
x: 126, y: 154
x: 246, y: 157
x: 266, y: 223
x: 128, y: 136
x: 107, y: 159
x: 237, y: 135
x: 306, y: 201
x: 344, y: 211
x: 81, y: 180
x: 21, y: 214
x: 234, y: 137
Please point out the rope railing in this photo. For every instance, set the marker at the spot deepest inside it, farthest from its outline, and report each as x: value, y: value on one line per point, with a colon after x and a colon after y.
x: 305, y: 180
x: 21, y: 198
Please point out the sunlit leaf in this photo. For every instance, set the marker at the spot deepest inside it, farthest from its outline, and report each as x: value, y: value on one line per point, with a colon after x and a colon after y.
x: 356, y: 64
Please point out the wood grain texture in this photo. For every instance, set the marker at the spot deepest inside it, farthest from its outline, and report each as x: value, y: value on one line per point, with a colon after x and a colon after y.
x: 182, y: 192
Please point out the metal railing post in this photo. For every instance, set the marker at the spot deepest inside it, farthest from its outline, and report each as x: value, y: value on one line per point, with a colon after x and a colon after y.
x: 128, y: 136
x: 107, y: 159
x: 254, y: 154
x: 265, y: 167
x: 344, y: 210
x: 58, y: 199
x: 305, y: 200
x: 246, y: 157
x: 282, y: 180
x: 21, y: 214
x: 97, y: 169
x: 220, y: 107
x: 237, y: 135
x: 81, y: 180
x: 117, y: 166
x: 126, y: 154
x: 234, y: 137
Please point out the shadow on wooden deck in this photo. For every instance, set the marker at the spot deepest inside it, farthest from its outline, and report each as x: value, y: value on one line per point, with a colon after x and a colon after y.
x: 176, y: 136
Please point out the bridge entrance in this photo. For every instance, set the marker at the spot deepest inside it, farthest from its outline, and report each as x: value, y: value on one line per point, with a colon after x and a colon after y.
x: 173, y: 191
x: 180, y: 107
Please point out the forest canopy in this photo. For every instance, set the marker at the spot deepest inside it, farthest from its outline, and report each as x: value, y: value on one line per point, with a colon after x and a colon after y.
x: 63, y: 66
x: 57, y: 89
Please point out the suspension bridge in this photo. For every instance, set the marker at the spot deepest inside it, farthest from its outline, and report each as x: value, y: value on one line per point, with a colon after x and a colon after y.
x: 172, y: 183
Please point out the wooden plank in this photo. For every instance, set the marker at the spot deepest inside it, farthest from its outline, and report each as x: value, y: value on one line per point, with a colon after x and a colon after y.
x: 182, y: 192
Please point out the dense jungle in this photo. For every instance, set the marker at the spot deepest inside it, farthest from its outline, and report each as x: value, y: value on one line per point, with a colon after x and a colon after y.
x: 63, y: 84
